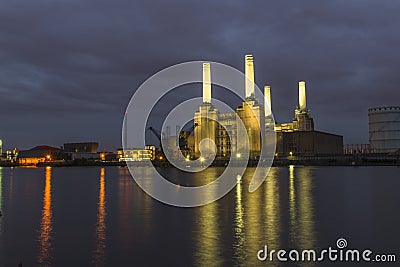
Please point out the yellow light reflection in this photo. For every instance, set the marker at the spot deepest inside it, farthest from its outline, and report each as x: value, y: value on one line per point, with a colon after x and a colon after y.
x: 254, y: 219
x: 239, y: 224
x: 208, y: 231
x: 292, y: 197
x: 99, y: 253
x: 272, y: 209
x: 306, y: 208
x: 301, y: 209
x: 46, y: 226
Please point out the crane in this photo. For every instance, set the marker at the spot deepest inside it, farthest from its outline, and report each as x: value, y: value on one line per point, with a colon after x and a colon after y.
x: 183, y: 138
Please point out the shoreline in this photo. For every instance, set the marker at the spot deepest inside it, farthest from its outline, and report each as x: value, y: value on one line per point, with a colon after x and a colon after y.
x: 334, y: 160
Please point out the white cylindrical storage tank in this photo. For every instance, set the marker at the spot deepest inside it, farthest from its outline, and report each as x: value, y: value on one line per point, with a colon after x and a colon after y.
x: 384, y: 129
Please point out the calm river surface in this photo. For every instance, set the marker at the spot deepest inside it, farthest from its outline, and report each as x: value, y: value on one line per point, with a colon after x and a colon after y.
x: 93, y: 216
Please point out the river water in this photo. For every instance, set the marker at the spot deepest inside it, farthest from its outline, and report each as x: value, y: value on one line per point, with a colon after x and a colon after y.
x: 94, y: 216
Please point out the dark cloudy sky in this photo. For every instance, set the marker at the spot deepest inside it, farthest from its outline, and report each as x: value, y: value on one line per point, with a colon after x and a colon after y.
x: 69, y: 67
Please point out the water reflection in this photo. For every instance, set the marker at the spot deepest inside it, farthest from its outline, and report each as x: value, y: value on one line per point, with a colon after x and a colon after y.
x: 301, y: 208
x: 254, y: 218
x: 99, y: 253
x: 292, y: 200
x: 46, y: 226
x: 124, y: 205
x: 238, y: 228
x: 272, y: 209
x: 208, y: 232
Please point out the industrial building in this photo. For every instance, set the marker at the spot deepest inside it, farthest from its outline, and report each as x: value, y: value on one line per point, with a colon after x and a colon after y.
x: 384, y: 129
x: 86, y: 147
x: 136, y: 154
x: 82, y: 150
x: 296, y: 138
x: 37, y: 155
x: 299, y: 138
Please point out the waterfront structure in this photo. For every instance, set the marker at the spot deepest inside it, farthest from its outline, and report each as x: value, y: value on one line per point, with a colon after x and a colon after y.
x: 37, y: 155
x: 87, y: 147
x: 214, y: 128
x: 10, y: 155
x: 227, y: 127
x: 307, y: 143
x: 82, y: 150
x: 384, y: 129
x: 206, y: 132
x: 299, y: 137
x: 352, y: 149
x: 295, y: 138
x: 302, y: 120
x: 152, y: 151
x: 136, y: 154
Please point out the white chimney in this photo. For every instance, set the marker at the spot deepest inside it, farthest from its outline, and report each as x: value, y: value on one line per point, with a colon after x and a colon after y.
x: 302, y: 95
x: 249, y: 73
x: 267, y: 100
x: 206, y: 83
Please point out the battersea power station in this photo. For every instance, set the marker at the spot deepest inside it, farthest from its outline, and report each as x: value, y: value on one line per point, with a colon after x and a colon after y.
x: 295, y: 138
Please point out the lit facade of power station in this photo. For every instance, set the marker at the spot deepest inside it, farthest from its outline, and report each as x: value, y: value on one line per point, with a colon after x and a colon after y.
x: 219, y: 133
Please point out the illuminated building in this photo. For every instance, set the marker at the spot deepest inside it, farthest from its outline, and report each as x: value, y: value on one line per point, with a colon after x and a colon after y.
x: 227, y: 127
x: 37, y: 155
x: 249, y: 76
x: 206, y: 119
x: 135, y: 154
x: 214, y: 128
x: 299, y: 137
x: 8, y: 156
x: 384, y: 129
x: 303, y: 120
x: 294, y: 138
x: 251, y: 114
x: 152, y: 151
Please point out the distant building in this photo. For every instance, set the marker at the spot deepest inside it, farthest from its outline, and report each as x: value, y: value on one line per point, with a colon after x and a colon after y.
x: 152, y: 150
x: 84, y: 150
x: 87, y: 147
x: 135, y: 154
x: 384, y: 129
x: 11, y: 155
x: 351, y: 149
x: 38, y: 154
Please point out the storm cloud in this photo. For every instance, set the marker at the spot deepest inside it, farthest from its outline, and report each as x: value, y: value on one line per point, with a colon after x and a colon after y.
x: 68, y: 68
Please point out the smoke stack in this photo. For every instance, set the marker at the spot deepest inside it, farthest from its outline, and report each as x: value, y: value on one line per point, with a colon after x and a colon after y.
x: 249, y: 72
x: 206, y: 83
x: 302, y: 95
x: 267, y: 100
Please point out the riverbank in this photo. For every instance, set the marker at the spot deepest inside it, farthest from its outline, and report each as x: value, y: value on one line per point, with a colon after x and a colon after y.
x: 331, y: 160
